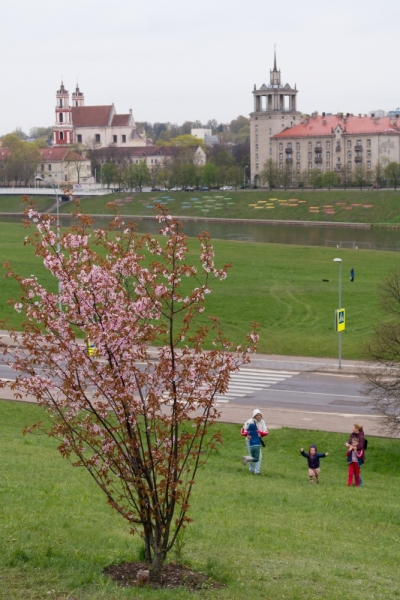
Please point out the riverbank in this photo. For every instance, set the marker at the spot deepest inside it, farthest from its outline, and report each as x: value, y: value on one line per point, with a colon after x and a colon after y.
x: 291, y: 290
x: 307, y: 206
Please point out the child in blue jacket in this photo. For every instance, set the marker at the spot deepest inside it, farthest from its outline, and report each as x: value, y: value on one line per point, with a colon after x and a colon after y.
x: 253, y: 437
x: 313, y: 457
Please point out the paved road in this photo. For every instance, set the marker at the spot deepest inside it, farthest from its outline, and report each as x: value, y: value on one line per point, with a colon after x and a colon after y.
x: 307, y: 393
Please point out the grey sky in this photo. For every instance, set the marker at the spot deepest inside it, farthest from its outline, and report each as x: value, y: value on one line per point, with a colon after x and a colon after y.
x: 182, y: 60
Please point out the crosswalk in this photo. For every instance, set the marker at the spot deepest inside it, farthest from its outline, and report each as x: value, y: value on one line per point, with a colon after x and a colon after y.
x: 249, y: 380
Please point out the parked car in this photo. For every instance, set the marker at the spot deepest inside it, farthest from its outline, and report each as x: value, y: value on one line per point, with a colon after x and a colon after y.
x: 226, y: 187
x: 204, y: 188
x: 175, y: 189
x: 156, y: 189
x: 189, y: 189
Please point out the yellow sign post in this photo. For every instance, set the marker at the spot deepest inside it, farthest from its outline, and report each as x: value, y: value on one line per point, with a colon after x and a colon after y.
x: 340, y: 319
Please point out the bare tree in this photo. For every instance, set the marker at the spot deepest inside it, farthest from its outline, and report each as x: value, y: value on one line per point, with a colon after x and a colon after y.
x: 382, y: 382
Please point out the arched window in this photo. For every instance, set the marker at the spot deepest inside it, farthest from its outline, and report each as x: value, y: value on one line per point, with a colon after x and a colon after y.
x: 61, y: 135
x: 61, y: 118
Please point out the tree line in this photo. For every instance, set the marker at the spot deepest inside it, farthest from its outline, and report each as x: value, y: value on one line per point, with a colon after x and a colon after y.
x: 385, y: 174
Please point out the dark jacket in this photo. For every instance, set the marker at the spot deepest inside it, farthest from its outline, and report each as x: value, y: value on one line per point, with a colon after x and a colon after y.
x: 252, y: 433
x: 313, y: 460
x: 360, y: 436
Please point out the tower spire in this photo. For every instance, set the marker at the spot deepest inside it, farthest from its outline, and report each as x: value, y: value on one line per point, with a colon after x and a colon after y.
x: 274, y: 57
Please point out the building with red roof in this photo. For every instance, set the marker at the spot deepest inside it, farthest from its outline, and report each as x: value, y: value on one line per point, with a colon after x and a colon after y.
x: 340, y: 143
x: 297, y: 144
x: 94, y: 126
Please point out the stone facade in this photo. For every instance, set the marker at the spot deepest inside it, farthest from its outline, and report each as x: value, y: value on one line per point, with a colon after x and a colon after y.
x: 338, y: 143
x: 275, y: 109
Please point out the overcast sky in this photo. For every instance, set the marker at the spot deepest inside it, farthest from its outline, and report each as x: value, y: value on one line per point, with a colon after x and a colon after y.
x: 181, y: 60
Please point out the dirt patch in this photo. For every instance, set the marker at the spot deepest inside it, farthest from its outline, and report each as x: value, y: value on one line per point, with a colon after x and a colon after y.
x: 173, y: 576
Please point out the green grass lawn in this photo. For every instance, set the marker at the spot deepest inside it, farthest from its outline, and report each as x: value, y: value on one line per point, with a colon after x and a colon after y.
x: 15, y: 204
x: 266, y: 537
x: 354, y: 206
x: 279, y: 286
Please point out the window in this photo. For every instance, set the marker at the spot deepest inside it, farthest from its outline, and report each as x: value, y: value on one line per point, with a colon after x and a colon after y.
x: 61, y: 117
x: 124, y: 139
x: 280, y: 156
x: 318, y: 144
x: 368, y: 164
x: 358, y: 142
x: 257, y: 167
x: 369, y: 143
x: 61, y: 135
x: 76, y: 102
x: 298, y: 156
x: 328, y: 144
x: 256, y: 127
x: 256, y: 146
x: 60, y: 102
x: 79, y: 138
x: 328, y: 166
x: 328, y: 155
x: 310, y: 165
x: 49, y: 167
x: 270, y: 150
x: 289, y: 145
x: 309, y: 155
x: 310, y: 145
x: 256, y: 157
x: 349, y: 165
x: 115, y: 139
x: 65, y: 177
x: 349, y: 143
x: 97, y: 138
x: 298, y: 166
x: 338, y: 159
x: 297, y: 145
x: 349, y: 155
x: 368, y: 153
x: 257, y: 138
x: 280, y: 146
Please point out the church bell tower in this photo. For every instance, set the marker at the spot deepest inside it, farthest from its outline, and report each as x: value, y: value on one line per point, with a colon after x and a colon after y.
x: 63, y: 130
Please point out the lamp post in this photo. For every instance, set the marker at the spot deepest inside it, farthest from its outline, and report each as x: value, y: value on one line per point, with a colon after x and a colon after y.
x: 339, y: 260
x: 38, y: 178
x: 244, y: 176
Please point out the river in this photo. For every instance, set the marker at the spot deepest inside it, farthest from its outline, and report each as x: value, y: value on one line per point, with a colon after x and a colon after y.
x: 271, y: 233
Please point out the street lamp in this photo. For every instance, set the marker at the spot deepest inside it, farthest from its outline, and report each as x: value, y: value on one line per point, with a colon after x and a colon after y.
x: 339, y: 260
x: 244, y: 176
x: 38, y: 178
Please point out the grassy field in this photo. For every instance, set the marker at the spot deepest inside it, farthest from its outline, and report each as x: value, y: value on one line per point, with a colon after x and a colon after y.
x: 279, y: 286
x: 354, y: 206
x: 267, y: 537
x: 14, y: 204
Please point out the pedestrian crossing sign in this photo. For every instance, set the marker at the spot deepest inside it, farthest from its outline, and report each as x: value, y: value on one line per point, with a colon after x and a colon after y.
x: 340, y: 319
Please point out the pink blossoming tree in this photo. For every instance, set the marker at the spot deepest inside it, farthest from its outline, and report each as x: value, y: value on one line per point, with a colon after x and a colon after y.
x: 139, y: 422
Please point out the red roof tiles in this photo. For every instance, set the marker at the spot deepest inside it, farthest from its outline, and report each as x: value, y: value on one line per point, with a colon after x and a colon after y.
x: 120, y: 120
x: 91, y: 116
x: 322, y: 126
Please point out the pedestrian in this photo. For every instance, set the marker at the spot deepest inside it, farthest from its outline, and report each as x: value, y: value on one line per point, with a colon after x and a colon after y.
x: 358, y: 434
x: 262, y: 431
x: 254, y: 440
x: 354, y: 458
x: 313, y: 458
x: 352, y: 275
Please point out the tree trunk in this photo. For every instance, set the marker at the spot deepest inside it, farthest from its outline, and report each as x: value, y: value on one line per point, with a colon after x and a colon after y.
x: 156, y: 567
